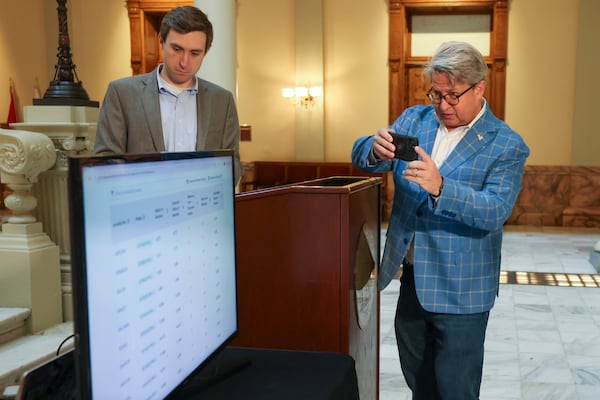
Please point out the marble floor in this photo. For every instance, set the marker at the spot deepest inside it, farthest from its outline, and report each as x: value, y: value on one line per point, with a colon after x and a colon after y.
x: 543, y: 341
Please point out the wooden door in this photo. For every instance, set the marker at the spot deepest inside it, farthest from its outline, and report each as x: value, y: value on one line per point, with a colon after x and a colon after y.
x: 145, y: 17
x: 407, y: 86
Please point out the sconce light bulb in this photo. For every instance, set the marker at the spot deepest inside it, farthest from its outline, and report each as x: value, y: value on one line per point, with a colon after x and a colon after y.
x: 316, y: 91
x: 287, y: 92
x: 301, y: 91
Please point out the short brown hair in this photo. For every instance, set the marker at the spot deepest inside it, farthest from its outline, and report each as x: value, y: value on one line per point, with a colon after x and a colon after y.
x: 187, y: 19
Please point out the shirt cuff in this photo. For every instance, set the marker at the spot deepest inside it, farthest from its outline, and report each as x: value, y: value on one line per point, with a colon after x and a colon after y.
x: 372, y: 159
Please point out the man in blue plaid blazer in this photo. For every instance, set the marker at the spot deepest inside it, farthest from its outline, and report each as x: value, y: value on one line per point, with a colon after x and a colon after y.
x: 446, y: 223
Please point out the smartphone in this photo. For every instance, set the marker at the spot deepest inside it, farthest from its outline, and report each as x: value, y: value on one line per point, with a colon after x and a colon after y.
x: 405, y: 147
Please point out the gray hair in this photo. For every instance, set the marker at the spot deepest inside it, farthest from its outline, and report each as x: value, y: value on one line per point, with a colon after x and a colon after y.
x: 460, y: 60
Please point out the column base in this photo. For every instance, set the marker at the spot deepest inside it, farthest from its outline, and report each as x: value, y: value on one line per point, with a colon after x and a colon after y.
x: 30, y: 272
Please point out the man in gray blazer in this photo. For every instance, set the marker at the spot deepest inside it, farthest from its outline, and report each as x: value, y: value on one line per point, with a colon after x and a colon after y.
x: 170, y: 109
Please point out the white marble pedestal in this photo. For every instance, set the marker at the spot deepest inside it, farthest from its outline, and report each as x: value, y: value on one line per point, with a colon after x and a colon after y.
x: 72, y: 130
x: 31, y: 277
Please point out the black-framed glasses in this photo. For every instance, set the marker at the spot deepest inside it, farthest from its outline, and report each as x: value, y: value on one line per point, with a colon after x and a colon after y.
x: 452, y: 99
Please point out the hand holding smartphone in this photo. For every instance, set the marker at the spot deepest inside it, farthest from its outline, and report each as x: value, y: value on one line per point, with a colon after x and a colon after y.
x: 405, y: 147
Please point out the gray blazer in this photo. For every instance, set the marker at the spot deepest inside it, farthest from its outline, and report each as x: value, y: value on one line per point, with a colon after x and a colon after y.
x: 130, y: 122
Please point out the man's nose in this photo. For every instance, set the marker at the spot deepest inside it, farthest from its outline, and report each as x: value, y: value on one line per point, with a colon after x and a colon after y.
x: 184, y: 59
x: 444, y: 104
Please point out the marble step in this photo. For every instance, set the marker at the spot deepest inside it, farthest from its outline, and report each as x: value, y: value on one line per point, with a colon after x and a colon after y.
x: 28, y: 351
x: 12, y: 322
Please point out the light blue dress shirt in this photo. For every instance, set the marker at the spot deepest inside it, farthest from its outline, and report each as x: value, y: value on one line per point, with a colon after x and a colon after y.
x: 178, y: 115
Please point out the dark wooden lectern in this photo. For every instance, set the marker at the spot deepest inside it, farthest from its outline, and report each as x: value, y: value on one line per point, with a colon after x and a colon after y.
x: 308, y: 256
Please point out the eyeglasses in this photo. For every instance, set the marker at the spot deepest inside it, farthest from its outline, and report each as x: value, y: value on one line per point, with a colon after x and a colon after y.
x: 452, y: 99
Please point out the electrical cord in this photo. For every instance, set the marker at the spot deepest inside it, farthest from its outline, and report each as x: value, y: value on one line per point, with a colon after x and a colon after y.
x: 63, y: 342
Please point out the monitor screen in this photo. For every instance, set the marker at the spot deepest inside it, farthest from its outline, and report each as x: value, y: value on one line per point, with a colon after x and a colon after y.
x: 153, y: 269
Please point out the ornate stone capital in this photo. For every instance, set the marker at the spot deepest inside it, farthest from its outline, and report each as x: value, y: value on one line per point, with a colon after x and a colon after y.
x: 24, y: 155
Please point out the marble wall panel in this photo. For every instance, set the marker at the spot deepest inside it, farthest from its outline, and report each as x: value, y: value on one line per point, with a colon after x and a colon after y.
x: 558, y: 196
x: 585, y: 187
x: 544, y: 195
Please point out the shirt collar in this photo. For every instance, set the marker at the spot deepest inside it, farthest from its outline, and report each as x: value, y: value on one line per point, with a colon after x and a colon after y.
x: 165, y: 87
x: 465, y: 128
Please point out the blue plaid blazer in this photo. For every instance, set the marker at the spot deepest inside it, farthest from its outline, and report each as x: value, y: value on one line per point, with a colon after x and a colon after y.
x: 457, y: 242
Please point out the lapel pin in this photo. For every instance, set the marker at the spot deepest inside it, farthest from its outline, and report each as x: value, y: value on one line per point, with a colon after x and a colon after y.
x: 479, y: 137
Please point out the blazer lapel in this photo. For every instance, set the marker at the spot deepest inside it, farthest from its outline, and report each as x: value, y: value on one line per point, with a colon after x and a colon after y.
x: 428, y: 134
x: 151, y: 106
x: 203, y: 106
x: 478, y: 137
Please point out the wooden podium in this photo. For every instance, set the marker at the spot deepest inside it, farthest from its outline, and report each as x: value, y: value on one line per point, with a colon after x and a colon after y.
x: 307, y: 257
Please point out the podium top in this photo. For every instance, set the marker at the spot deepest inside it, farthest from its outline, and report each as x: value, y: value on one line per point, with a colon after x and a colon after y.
x: 333, y: 184
x: 339, y: 181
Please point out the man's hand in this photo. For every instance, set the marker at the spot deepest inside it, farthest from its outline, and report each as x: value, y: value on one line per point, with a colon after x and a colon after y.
x: 383, y: 148
x: 424, y: 172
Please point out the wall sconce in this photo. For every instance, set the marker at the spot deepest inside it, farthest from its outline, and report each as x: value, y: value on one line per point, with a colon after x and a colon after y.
x: 303, y: 95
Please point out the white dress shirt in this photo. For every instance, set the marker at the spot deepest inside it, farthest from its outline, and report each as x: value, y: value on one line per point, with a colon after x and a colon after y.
x: 446, y: 141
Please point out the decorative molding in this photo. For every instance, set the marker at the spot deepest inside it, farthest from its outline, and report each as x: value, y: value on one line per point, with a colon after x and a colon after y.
x: 394, y: 5
x: 25, y: 154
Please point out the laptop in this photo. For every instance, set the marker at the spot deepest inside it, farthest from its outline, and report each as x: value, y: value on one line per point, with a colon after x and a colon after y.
x: 51, y: 380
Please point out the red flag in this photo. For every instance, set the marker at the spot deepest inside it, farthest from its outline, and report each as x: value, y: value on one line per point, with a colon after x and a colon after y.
x: 12, y: 109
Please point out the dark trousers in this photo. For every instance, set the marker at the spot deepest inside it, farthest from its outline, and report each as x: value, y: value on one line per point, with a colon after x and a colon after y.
x: 441, y: 355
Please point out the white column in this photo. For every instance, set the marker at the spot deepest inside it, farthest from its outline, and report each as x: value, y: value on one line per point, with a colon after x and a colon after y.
x: 220, y: 64
x: 310, y: 123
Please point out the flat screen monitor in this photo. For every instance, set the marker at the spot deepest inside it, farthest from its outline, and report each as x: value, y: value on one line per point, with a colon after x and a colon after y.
x: 153, y: 269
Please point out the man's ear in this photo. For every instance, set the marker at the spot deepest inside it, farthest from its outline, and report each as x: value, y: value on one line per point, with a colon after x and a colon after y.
x: 481, y: 85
